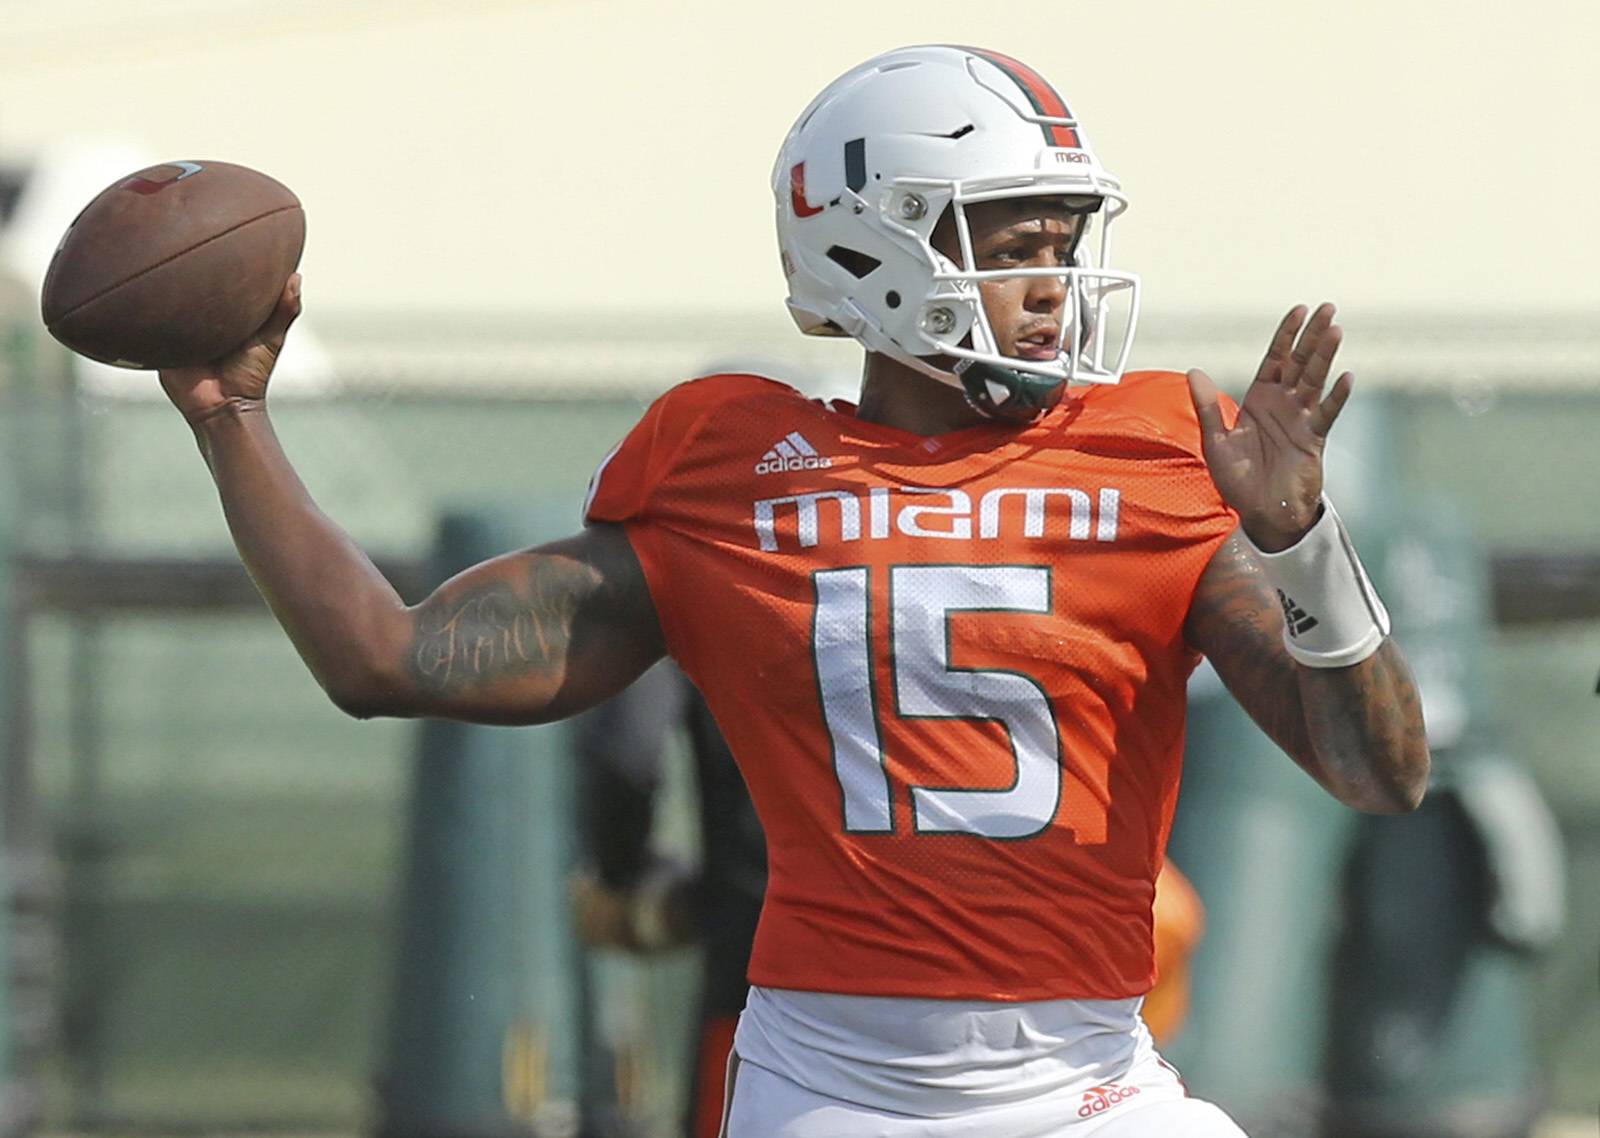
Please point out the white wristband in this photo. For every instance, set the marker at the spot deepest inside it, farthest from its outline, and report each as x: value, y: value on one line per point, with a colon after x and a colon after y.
x: 1332, y: 616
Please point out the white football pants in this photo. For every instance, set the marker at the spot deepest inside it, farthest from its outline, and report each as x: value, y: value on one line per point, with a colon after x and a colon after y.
x: 1149, y: 1102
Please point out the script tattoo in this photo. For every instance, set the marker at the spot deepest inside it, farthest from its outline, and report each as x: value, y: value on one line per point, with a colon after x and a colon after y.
x: 535, y: 634
x: 1369, y: 717
x: 488, y: 633
x: 1237, y: 623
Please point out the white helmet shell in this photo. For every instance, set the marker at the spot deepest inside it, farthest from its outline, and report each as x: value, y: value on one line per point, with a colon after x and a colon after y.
x: 873, y: 163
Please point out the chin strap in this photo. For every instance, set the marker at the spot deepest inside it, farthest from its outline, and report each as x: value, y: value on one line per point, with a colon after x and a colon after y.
x: 1006, y: 394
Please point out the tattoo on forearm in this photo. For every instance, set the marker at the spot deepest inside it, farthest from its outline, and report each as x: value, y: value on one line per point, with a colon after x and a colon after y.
x: 1243, y: 639
x: 1370, y: 714
x: 1365, y: 720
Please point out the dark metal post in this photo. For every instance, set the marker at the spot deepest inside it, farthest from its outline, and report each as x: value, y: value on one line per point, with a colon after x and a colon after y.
x: 484, y: 1039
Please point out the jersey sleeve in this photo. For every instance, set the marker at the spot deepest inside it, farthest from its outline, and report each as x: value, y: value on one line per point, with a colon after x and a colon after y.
x: 628, y: 477
x: 621, y: 486
x: 654, y: 482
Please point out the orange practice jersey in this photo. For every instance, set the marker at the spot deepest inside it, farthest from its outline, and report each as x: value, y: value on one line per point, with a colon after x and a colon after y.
x: 952, y: 670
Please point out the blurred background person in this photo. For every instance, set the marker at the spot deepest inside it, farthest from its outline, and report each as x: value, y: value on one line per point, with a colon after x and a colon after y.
x: 635, y: 898
x: 1442, y: 921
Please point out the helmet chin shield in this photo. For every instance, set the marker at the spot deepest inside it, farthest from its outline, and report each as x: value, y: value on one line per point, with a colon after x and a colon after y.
x: 1007, y: 394
x: 923, y: 133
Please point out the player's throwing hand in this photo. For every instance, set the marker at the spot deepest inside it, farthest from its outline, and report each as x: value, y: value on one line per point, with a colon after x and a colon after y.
x: 1269, y: 466
x: 241, y: 376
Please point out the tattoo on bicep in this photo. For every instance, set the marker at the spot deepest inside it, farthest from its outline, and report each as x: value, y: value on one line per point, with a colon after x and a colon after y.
x: 474, y: 638
x: 477, y: 638
x: 571, y: 596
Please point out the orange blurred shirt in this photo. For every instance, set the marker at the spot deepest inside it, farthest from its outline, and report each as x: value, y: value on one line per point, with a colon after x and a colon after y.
x: 952, y: 670
x: 1180, y: 924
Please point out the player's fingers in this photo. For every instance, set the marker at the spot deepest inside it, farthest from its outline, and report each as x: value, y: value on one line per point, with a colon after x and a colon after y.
x: 1328, y: 410
x: 1203, y: 393
x: 1282, y: 341
x: 1315, y: 372
x: 286, y: 312
x: 1307, y: 344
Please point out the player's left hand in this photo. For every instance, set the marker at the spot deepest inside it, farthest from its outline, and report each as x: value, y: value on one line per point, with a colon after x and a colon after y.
x: 1269, y: 466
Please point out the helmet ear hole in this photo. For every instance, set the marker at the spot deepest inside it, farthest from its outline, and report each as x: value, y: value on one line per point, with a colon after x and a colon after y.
x: 853, y: 261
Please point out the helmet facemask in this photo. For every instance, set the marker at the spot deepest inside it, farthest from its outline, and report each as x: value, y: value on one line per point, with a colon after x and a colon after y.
x: 1079, y: 330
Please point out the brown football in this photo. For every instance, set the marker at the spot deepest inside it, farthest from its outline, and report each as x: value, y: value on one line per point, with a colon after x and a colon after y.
x: 174, y: 265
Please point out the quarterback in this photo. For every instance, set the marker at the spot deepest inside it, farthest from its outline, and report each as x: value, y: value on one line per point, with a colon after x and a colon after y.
x: 946, y: 631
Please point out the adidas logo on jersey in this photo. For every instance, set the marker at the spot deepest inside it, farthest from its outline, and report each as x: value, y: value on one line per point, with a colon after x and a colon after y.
x: 1098, y: 1100
x: 1295, y: 618
x: 792, y: 452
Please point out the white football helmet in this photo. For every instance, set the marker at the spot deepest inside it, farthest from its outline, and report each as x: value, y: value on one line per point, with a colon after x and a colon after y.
x: 867, y: 172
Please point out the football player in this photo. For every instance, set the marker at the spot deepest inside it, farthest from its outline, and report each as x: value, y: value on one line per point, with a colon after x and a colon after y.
x: 946, y: 631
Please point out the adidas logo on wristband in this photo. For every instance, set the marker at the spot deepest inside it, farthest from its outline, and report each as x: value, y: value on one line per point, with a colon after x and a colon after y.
x: 1351, y: 621
x: 1295, y: 618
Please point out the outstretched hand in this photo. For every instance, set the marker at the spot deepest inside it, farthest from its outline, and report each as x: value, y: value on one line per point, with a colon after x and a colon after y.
x: 241, y: 376
x: 1268, y: 467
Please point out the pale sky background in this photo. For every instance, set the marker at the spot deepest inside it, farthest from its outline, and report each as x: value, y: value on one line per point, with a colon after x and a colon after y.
x: 612, y: 156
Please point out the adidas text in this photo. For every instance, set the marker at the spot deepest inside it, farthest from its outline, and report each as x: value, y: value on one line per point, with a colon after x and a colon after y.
x: 779, y: 465
x: 792, y: 452
x: 1101, y: 1099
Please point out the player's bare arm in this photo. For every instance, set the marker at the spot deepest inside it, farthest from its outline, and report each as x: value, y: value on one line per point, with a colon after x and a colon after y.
x: 1358, y: 729
x: 527, y: 637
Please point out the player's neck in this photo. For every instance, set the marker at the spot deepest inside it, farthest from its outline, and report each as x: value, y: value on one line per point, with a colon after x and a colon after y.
x: 894, y: 395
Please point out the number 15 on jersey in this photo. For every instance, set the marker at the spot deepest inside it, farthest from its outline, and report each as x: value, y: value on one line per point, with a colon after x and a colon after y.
x: 927, y: 686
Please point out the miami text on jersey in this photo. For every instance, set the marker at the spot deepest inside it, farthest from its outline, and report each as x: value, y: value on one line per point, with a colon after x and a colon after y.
x: 921, y: 511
